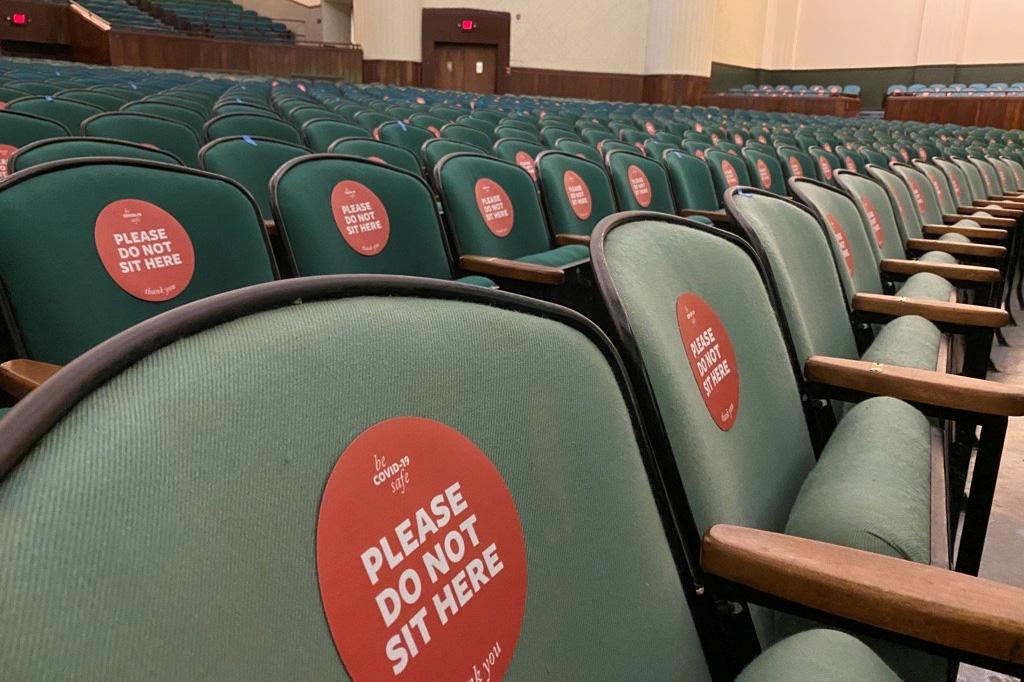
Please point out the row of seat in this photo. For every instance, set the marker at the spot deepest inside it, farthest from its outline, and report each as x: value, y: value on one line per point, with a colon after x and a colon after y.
x: 796, y: 90
x: 956, y: 89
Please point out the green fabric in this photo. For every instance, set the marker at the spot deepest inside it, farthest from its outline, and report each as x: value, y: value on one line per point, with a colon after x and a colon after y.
x: 551, y: 170
x: 558, y: 257
x: 619, y: 163
x: 390, y: 153
x: 107, y: 570
x: 907, y: 217
x: 955, y: 237
x: 790, y: 157
x: 718, y: 161
x: 869, y: 193
x: 817, y: 655
x: 320, y: 133
x: 415, y: 244
x: 800, y: 259
x: 76, y: 148
x: 66, y: 112
x: 433, y: 151
x: 928, y: 209
x: 938, y: 257
x: 957, y: 180
x: 908, y: 341
x: 975, y: 183
x: 182, y: 115
x: 529, y: 234
x: 748, y: 475
x: 691, y: 182
x: 228, y: 125
x: 467, y: 135
x: 871, y: 487
x: 63, y: 299
x: 579, y: 149
x: 506, y: 149
x: 777, y: 179
x: 18, y: 130
x: 162, y: 133
x: 251, y: 162
x: 478, y: 281
x: 409, y: 137
x: 928, y: 285
x: 943, y: 192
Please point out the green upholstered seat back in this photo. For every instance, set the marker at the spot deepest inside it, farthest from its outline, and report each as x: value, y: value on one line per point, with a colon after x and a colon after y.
x: 727, y: 170
x: 310, y: 196
x: 975, y: 182
x: 796, y: 163
x: 850, y: 160
x: 107, y: 569
x: 162, y: 133
x: 193, y: 120
x: 580, y: 149
x: 594, y: 135
x: 799, y: 256
x: 848, y: 235
x: 519, y: 152
x: 469, y: 185
x: 507, y: 132
x: 251, y: 162
x: 577, y: 193
x: 907, y: 217
x: 468, y: 135
x: 299, y: 117
x: 988, y: 175
x: 68, y: 113
x: 371, y: 119
x: 18, y: 130
x: 876, y: 212
x: 65, y: 299
x: 433, y: 151
x: 1007, y: 180
x: 765, y: 171
x: 320, y: 133
x: 98, y: 99
x: 391, y: 154
x: 925, y: 199
x: 640, y: 184
x: 690, y: 179
x: 230, y: 125
x: 60, y: 148
x: 826, y: 161
x: 943, y: 192
x: 409, y: 137
x: 749, y: 474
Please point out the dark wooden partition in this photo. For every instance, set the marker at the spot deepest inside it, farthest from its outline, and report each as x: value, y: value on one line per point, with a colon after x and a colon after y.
x: 835, y: 105
x: 1000, y: 112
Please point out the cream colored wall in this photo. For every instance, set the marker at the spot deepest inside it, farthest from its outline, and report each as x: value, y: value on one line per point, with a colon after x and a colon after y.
x: 337, y: 21
x: 680, y: 37
x: 387, y: 29
x: 739, y: 31
x: 303, y: 18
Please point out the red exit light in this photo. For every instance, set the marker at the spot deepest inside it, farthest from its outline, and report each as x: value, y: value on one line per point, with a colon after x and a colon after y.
x: 467, y: 24
x: 19, y: 19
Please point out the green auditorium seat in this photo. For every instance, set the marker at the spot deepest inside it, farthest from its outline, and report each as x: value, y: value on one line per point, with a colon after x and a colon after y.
x: 128, y: 240
x: 8, y: 94
x: 180, y: 114
x: 639, y: 183
x: 348, y: 215
x: 68, y: 113
x: 249, y: 555
x: 827, y: 163
x: 251, y: 162
x: 298, y: 117
x: 381, y: 152
x: 506, y: 132
x: 231, y: 125
x: 97, y: 99
x: 765, y: 171
x: 372, y: 119
x: 576, y: 194
x: 18, y: 130
x: 734, y: 436
x: 480, y: 125
x: 433, y: 151
x: 497, y: 229
x: 520, y: 152
x: 409, y: 137
x: 428, y: 122
x: 162, y: 133
x: 727, y: 170
x: 61, y: 148
x: 696, y: 147
x: 796, y: 163
x: 550, y: 135
x: 693, y: 189
x: 467, y: 135
x: 580, y: 149
x: 320, y: 133
x: 850, y: 160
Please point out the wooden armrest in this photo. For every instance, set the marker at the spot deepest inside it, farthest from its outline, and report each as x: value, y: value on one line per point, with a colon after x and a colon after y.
x: 995, y: 212
x: 1000, y: 209
x: 563, y: 239
x: 952, y: 272
x: 270, y: 226
x: 918, y: 386
x: 986, y: 233
x: 512, y: 269
x: 925, y: 602
x: 717, y: 217
x: 957, y: 248
x: 984, y: 221
x: 20, y: 377
x: 937, y: 311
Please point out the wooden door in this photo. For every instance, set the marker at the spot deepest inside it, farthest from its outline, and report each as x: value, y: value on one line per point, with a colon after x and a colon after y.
x: 470, y: 68
x: 449, y: 63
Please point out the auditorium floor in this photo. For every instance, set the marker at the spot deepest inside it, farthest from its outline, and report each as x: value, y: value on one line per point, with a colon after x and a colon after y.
x: 1004, y: 547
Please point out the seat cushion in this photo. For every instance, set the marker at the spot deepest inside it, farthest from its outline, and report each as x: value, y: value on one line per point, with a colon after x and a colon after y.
x: 908, y: 341
x: 927, y: 285
x: 478, y: 281
x: 955, y: 237
x: 558, y: 257
x: 871, y: 488
x: 818, y: 655
x: 938, y: 257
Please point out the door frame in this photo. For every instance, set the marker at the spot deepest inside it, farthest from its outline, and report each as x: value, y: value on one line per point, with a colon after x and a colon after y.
x: 442, y: 26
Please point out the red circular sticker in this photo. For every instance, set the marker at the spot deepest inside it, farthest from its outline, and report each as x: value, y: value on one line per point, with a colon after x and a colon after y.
x: 377, y: 159
x: 420, y: 556
x: 700, y: 154
x: 874, y: 220
x: 3, y: 105
x: 420, y: 100
x: 850, y: 164
x: 1002, y: 176
x: 640, y: 146
x: 826, y: 168
x: 738, y: 139
x: 578, y: 194
x: 698, y: 128
x: 922, y: 153
x: 361, y: 217
x: 956, y: 186
x: 714, y: 138
x: 649, y: 127
x: 844, y: 243
x: 6, y: 151
x: 764, y: 174
x: 795, y: 168
x: 905, y: 154
x: 434, y: 130
x: 639, y: 185
x: 731, y: 178
x: 495, y: 207
x: 938, y: 187
x: 915, y: 190
x: 525, y: 161
x: 826, y: 146
x: 711, y: 356
x: 144, y: 249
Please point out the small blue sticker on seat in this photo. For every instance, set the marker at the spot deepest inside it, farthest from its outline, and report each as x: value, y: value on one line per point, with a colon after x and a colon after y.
x: 249, y: 140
